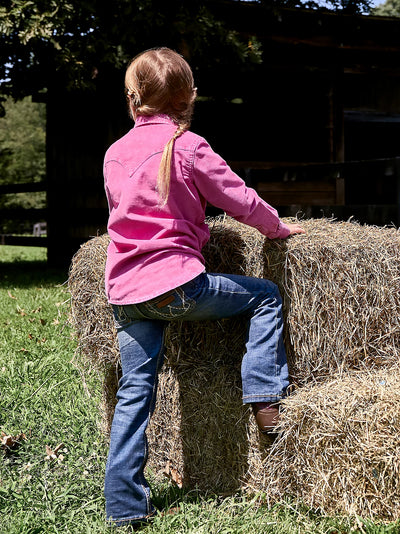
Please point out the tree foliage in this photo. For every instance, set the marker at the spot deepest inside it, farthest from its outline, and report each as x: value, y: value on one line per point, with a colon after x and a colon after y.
x: 22, y: 157
x: 391, y: 8
x: 22, y: 142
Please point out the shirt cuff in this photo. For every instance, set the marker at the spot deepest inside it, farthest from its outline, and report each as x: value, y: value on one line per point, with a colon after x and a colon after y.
x: 282, y: 231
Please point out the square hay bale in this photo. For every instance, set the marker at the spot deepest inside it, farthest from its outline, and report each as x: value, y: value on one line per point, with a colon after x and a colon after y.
x: 340, y: 287
x: 340, y: 450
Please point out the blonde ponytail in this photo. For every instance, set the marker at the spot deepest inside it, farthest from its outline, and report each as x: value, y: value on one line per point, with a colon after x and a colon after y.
x: 164, y: 171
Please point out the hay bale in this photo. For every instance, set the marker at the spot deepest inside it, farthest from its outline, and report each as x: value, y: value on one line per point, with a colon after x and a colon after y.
x: 340, y: 451
x: 92, y: 320
x: 343, y: 299
x: 340, y: 285
x: 342, y: 312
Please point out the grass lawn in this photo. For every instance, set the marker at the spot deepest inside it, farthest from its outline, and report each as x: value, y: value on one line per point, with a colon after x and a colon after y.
x: 51, y: 479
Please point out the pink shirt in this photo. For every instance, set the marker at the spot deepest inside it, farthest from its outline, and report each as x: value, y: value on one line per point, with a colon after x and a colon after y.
x: 154, y: 249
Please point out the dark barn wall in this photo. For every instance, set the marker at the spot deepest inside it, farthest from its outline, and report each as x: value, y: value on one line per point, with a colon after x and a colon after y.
x: 372, y: 115
x: 283, y: 117
x: 80, y: 127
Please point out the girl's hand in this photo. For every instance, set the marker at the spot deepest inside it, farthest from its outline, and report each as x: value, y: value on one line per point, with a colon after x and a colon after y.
x: 295, y: 228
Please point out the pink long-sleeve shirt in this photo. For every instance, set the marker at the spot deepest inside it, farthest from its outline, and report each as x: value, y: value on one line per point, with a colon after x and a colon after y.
x: 154, y: 249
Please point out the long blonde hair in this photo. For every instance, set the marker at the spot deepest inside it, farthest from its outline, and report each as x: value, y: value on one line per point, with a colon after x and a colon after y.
x: 159, y: 80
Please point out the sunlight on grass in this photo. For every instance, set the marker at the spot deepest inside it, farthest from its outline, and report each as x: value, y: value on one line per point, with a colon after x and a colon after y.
x: 17, y: 254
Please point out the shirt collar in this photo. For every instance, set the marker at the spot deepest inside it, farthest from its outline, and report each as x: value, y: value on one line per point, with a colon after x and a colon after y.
x: 154, y: 119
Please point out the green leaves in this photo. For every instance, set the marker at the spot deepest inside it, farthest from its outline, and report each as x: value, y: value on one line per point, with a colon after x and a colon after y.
x: 22, y: 142
x: 34, y: 20
x: 22, y: 159
x: 390, y: 8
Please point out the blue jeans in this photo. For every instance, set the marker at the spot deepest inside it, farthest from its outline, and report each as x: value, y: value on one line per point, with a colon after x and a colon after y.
x: 140, y: 330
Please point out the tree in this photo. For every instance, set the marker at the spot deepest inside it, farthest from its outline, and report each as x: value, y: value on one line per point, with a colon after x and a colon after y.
x: 22, y: 142
x: 22, y: 158
x: 391, y: 8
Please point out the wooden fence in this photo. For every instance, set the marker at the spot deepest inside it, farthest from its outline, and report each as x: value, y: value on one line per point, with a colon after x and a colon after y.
x: 342, y: 186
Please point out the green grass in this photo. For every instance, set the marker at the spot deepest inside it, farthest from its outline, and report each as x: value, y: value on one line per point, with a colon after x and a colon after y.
x: 43, y: 397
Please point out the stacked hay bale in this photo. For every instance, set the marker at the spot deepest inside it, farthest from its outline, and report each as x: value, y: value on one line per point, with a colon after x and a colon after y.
x: 341, y: 451
x: 340, y: 285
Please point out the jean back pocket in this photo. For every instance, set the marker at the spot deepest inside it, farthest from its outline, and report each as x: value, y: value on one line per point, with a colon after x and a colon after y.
x: 171, y: 305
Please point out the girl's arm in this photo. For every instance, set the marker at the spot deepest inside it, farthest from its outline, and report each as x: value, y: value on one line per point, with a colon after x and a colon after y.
x: 224, y: 189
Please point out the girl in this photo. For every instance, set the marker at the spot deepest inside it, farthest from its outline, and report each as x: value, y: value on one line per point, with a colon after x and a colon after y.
x: 158, y: 179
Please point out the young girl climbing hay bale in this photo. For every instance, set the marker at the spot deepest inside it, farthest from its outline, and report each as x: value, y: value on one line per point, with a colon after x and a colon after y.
x: 158, y: 179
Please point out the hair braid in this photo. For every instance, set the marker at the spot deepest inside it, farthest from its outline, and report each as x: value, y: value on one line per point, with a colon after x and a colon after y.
x: 164, y: 171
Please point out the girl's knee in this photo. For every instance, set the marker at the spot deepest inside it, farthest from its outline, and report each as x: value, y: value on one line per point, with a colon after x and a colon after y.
x: 272, y: 290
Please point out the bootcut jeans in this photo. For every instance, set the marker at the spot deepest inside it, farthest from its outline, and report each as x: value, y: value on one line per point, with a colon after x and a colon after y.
x: 140, y: 329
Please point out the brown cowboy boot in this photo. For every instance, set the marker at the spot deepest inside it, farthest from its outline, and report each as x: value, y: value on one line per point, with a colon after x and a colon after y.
x: 267, y: 415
